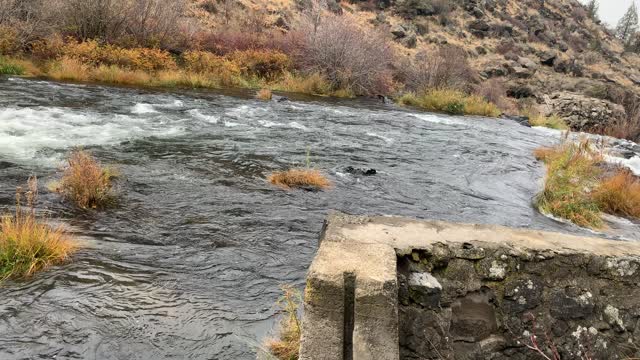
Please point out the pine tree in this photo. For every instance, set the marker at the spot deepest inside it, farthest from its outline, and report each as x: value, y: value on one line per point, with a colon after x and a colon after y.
x: 628, y: 25
x: 592, y: 9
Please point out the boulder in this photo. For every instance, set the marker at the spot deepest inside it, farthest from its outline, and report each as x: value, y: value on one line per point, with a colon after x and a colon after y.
x: 399, y: 31
x: 522, y: 72
x: 479, y: 28
x: 527, y: 63
x: 547, y: 58
x: 582, y: 113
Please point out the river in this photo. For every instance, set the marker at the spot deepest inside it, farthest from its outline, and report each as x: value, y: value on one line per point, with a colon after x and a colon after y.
x: 190, y: 263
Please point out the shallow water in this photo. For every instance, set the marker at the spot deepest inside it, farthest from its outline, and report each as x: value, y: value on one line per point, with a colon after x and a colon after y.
x: 189, y: 265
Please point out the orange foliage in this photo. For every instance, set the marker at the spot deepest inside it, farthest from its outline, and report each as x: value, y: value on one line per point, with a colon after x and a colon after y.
x: 85, y: 182
x: 267, y: 64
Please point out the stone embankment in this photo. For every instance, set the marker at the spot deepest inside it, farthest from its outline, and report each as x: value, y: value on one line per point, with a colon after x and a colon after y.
x: 393, y: 288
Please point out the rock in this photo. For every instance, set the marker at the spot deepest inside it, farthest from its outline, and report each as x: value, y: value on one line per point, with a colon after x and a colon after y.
x: 280, y: 98
x: 334, y: 6
x: 281, y: 22
x: 358, y: 171
x: 522, y: 120
x: 569, y: 304
x: 634, y: 78
x: 582, y: 113
x: 520, y: 92
x: 399, y: 31
x: 481, y: 50
x: 548, y: 58
x: 495, y: 69
x: 424, y: 289
x: 527, y: 63
x: 477, y: 12
x: 411, y: 41
x: 522, y: 72
x: 479, y: 28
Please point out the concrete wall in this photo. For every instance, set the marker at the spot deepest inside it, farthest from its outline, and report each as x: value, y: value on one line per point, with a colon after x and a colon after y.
x: 393, y: 288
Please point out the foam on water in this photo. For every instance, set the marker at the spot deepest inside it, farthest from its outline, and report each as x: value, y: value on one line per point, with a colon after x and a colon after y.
x: 141, y: 108
x: 196, y: 114
x: 24, y: 132
x: 268, y: 124
x: 297, y: 125
x: 377, y: 136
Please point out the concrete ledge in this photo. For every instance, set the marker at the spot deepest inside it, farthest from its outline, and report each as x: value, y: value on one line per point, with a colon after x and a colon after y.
x: 391, y: 288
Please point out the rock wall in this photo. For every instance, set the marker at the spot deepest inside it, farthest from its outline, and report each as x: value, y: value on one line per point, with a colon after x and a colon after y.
x: 469, y: 302
x: 582, y: 113
x: 389, y: 288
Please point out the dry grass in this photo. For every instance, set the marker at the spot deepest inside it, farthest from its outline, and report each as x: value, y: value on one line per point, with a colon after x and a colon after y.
x: 314, y: 84
x: 264, y: 94
x: 451, y: 102
x: 300, y: 178
x: 86, y: 183
x: 287, y: 346
x: 619, y: 194
x: 28, y: 244
x: 572, y: 174
x: 69, y: 69
x: 553, y: 121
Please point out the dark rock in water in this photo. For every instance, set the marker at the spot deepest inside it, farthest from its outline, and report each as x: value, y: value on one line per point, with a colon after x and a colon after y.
x: 384, y: 99
x: 280, y: 98
x: 358, y: 171
x: 522, y: 120
x: 5, y: 165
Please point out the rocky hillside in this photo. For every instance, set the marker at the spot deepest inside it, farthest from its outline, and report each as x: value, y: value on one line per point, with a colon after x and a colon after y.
x: 549, y: 52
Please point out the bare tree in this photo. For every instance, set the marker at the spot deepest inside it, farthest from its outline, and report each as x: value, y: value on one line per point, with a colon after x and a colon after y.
x: 154, y: 22
x: 349, y: 56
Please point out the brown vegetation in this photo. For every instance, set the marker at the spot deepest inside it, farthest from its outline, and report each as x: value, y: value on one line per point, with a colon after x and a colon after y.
x: 85, y: 182
x: 264, y: 94
x: 287, y: 345
x: 28, y: 244
x: 300, y: 178
x: 577, y: 187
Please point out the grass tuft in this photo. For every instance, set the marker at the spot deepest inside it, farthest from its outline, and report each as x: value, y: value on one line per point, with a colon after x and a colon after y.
x: 300, y: 178
x: 264, y: 94
x: 553, y: 121
x: 619, y: 194
x: 287, y: 346
x: 452, y: 102
x: 28, y: 245
x: 572, y: 174
x: 11, y: 67
x: 86, y: 183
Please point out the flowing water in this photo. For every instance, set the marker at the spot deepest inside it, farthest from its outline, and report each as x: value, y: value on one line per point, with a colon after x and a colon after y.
x: 190, y: 264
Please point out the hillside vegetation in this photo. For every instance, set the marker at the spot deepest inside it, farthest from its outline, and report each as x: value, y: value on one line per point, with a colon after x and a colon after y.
x: 552, y: 61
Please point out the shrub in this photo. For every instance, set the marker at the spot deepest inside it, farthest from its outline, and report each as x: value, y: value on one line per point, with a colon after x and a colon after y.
x: 494, y: 91
x: 553, y: 121
x: 619, y: 194
x: 299, y: 178
x: 264, y: 94
x: 287, y: 346
x: 225, y: 72
x: 116, y: 75
x: 348, y: 56
x: 92, y: 53
x: 86, y: 183
x: 8, y: 40
x: 265, y: 64
x: 446, y: 68
x: 27, y: 244
x: 571, y: 176
x: 451, y: 102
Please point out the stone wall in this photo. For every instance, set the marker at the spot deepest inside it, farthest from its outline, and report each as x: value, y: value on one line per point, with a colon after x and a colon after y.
x: 394, y: 288
x: 472, y: 302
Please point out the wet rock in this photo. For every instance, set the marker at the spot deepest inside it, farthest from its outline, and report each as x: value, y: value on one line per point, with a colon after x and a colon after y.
x: 522, y: 120
x: 473, y: 317
x: 280, y: 98
x: 359, y: 171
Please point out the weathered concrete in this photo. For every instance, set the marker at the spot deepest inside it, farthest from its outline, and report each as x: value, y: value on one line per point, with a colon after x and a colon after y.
x: 394, y: 288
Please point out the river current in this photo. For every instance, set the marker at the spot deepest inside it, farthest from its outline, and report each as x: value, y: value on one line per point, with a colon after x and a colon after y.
x: 190, y: 263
